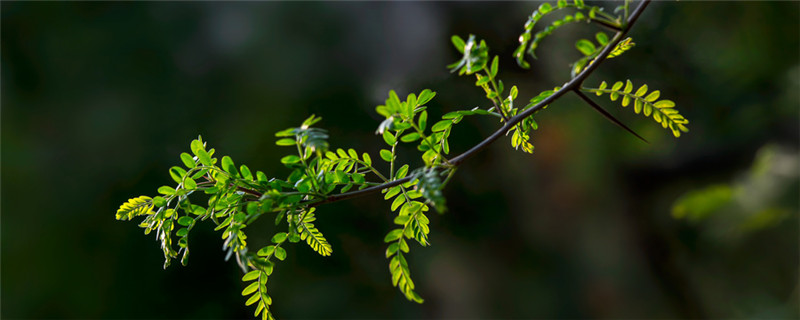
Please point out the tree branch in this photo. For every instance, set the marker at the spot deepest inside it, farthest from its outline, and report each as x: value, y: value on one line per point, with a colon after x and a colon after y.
x: 572, y: 85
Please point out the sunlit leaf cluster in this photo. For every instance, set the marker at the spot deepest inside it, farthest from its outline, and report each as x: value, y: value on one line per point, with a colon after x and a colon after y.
x: 529, y: 41
x: 590, y: 51
x: 663, y: 111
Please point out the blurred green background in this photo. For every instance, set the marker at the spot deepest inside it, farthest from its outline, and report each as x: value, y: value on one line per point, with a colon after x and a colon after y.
x: 99, y: 99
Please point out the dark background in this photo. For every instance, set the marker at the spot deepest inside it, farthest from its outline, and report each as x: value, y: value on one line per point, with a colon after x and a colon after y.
x: 99, y: 99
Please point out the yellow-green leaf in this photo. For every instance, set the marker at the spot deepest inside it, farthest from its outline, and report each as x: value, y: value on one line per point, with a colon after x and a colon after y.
x: 642, y: 90
x: 653, y: 96
x: 386, y: 155
x: 250, y: 288
x: 252, y: 275
x: 253, y: 299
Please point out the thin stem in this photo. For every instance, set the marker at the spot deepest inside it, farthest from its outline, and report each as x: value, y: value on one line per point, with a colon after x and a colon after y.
x: 606, y: 15
x: 607, y: 24
x: 494, y: 101
x: 627, y: 4
x: 308, y: 170
x: 391, y: 163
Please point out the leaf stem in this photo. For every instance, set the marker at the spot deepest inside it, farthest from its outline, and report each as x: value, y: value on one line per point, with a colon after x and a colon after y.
x: 497, y: 93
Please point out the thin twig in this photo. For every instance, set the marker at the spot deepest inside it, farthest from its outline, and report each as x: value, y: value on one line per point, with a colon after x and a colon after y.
x: 604, y: 23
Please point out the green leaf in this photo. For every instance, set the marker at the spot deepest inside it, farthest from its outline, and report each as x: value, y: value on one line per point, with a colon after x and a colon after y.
x: 391, y: 250
x: 411, y: 137
x: 352, y: 153
x: 428, y: 157
x: 311, y: 121
x: 290, y: 159
x: 642, y: 90
x: 253, y: 299
x: 637, y: 105
x: 250, y: 288
x: 393, y: 103
x: 386, y: 155
x: 458, y: 43
x: 393, y: 235
x: 196, y: 146
x: 177, y: 173
x: 187, y: 160
x: 199, y: 174
x: 280, y: 253
x: 189, y: 183
x: 653, y: 96
x: 159, y: 201
x: 441, y: 125
x: 166, y: 190
x: 602, y: 38
x: 286, y: 142
x: 252, y: 275
x: 664, y: 104
x: 398, y: 202
x: 482, y: 80
x: 389, y: 138
x: 495, y: 66
x: 185, y: 221
x: 425, y: 96
x: 342, y: 177
x: 246, y: 172
x: 401, y: 173
x: 367, y: 159
x: 628, y: 86
x: 393, y: 191
x: 204, y: 157
x: 585, y: 46
x: 279, y: 237
x: 402, y: 220
x: 423, y: 120
x: 182, y: 232
x: 266, y: 251
x: 331, y: 155
x: 228, y: 166
x: 544, y: 8
x: 411, y: 103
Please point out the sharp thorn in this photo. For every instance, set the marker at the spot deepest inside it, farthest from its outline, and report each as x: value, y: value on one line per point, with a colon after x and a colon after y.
x: 608, y: 116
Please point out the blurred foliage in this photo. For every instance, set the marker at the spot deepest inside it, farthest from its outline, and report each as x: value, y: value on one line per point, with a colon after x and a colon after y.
x: 762, y: 197
x: 99, y: 98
